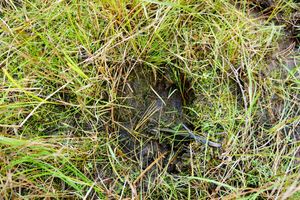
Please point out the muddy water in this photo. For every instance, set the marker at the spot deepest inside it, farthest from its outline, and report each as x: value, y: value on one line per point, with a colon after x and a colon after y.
x: 153, y: 104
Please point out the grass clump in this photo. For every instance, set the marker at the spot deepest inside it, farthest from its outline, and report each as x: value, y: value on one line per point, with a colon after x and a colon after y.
x: 65, y: 67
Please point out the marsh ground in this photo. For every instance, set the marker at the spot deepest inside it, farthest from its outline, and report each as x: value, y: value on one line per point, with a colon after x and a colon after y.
x: 104, y: 99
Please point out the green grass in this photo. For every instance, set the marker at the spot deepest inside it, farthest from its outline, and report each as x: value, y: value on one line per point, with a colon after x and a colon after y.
x: 63, y: 66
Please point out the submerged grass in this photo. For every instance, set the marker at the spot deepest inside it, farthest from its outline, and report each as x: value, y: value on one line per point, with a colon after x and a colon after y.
x: 64, y: 64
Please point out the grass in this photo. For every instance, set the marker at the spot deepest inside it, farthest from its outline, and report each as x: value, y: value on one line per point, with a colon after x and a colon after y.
x: 64, y: 64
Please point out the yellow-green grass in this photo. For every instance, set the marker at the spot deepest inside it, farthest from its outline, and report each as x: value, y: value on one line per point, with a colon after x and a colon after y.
x: 63, y: 63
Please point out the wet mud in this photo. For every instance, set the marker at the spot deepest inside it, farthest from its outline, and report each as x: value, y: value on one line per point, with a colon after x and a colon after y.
x: 152, y: 117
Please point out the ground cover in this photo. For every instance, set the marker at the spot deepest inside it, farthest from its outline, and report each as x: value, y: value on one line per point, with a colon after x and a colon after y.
x: 149, y: 99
